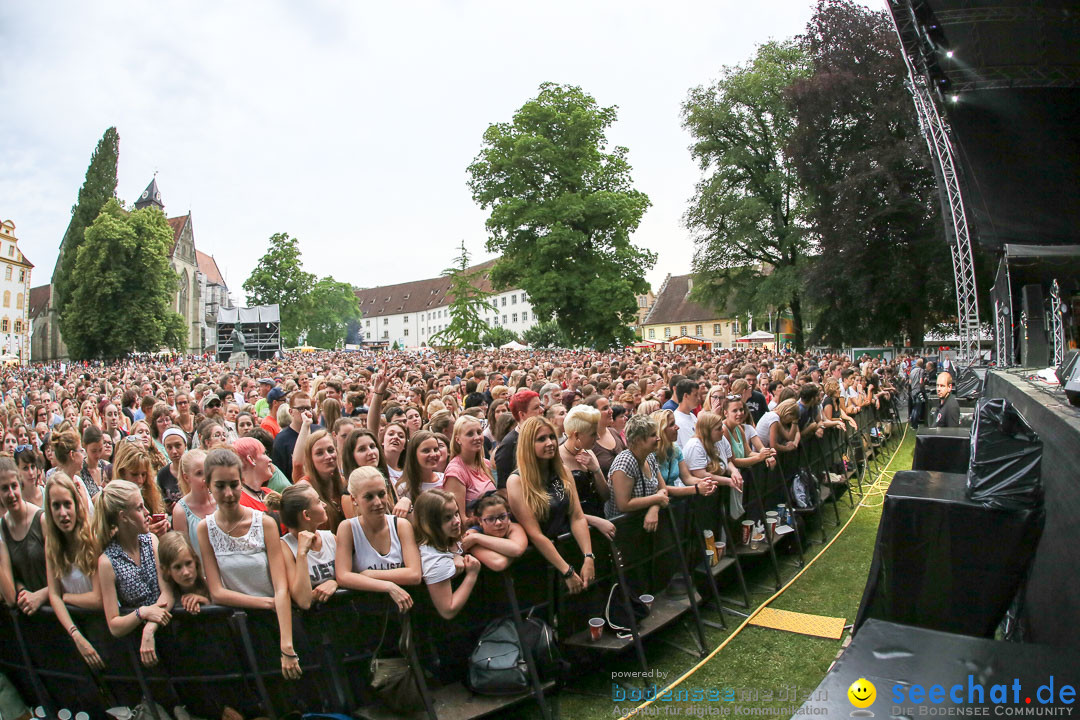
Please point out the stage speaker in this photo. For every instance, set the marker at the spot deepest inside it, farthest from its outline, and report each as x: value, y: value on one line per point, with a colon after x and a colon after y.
x: 1069, y: 376
x: 1034, y: 349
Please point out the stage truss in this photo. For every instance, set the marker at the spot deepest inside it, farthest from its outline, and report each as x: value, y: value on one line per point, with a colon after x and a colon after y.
x: 941, y: 151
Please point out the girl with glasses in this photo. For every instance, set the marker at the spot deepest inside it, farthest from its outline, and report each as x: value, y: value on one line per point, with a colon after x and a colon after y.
x: 499, y: 540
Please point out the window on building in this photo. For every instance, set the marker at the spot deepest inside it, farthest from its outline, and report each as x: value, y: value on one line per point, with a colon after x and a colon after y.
x: 22, y: 275
x: 4, y: 325
x: 368, y: 336
x: 652, y: 333
x: 504, y: 301
x: 513, y: 299
x: 11, y: 251
x: 406, y: 319
x: 504, y: 317
x: 515, y: 317
x: 7, y: 298
x: 385, y: 334
x: 386, y: 321
x: 19, y: 301
x: 716, y: 329
x: 524, y: 317
x: 367, y: 323
x: 698, y: 330
x: 7, y: 273
x: 406, y: 332
x: 682, y: 329
x: 667, y: 332
x: 18, y: 326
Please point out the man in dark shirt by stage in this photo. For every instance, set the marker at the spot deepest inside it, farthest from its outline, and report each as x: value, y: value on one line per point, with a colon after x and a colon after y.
x: 524, y: 404
x: 757, y: 405
x: 948, y: 415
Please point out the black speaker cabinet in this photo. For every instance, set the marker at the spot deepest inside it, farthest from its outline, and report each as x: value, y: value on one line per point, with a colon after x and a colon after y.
x: 1034, y: 348
x: 1069, y: 377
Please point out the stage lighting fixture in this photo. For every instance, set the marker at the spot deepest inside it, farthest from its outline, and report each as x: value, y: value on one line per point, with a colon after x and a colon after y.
x: 954, y: 98
x: 949, y: 54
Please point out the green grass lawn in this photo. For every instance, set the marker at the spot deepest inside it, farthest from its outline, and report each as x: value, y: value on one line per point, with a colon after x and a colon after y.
x: 759, y: 667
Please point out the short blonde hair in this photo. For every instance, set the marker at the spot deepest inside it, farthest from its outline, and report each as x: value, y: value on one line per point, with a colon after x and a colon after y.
x: 362, y: 474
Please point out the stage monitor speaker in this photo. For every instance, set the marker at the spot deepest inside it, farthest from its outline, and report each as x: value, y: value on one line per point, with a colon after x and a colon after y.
x: 1034, y: 348
x: 1069, y: 376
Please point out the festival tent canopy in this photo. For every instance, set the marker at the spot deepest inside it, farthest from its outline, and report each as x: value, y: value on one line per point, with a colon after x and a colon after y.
x: 513, y: 345
x: 690, y: 340
x: 758, y: 336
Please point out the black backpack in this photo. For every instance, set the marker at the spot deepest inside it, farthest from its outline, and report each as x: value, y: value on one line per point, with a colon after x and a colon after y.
x: 497, y: 663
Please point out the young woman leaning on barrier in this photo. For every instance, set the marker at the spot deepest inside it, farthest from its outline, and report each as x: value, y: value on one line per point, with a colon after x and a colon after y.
x: 543, y: 498
x: 242, y: 555
x: 438, y: 530
x: 376, y: 551
x: 309, y: 552
x: 129, y: 573
x: 23, y: 555
x: 71, y: 560
x: 498, y: 540
x: 635, y: 480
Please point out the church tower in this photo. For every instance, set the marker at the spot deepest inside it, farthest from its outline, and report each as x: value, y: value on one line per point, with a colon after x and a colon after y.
x: 151, y: 196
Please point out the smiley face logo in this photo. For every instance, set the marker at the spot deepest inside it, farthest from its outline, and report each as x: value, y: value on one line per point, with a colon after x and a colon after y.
x: 862, y: 693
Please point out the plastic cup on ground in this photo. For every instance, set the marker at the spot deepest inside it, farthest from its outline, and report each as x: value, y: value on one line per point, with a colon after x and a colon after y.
x: 710, y: 557
x: 596, y: 628
x: 770, y: 526
x: 756, y: 540
x: 720, y: 548
x: 647, y: 600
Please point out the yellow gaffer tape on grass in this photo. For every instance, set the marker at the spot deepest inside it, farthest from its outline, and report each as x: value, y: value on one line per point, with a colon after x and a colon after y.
x: 797, y: 622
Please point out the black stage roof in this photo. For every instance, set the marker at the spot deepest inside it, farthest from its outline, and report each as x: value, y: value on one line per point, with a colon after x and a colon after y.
x: 1007, y: 76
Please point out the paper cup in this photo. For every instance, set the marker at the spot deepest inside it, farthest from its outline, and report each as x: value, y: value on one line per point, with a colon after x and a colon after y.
x: 772, y: 514
x: 596, y: 628
x: 756, y: 540
x: 647, y: 599
x: 770, y: 526
x: 747, y: 531
x: 720, y: 548
x: 710, y: 557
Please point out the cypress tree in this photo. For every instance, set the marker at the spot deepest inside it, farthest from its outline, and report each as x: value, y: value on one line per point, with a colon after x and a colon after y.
x: 98, y: 188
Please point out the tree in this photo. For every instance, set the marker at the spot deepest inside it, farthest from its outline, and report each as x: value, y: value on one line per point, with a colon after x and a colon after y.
x: 327, y: 311
x: 884, y: 268
x: 562, y: 213
x: 130, y: 305
x: 279, y: 278
x: 497, y: 336
x: 97, y: 189
x: 747, y: 212
x: 547, y: 334
x: 467, y: 303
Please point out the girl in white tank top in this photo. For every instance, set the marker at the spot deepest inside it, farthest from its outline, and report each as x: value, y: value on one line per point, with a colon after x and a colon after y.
x: 366, y: 557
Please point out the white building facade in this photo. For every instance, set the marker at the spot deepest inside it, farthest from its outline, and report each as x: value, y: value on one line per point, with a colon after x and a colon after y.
x: 410, y: 314
x: 14, y: 296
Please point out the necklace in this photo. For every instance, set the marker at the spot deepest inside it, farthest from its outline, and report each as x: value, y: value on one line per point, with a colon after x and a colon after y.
x: 229, y: 530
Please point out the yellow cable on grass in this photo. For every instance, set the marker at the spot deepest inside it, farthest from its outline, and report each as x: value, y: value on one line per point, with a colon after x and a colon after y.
x: 779, y: 592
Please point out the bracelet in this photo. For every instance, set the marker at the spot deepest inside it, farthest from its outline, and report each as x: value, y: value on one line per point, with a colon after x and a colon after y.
x: 72, y: 630
x: 291, y: 656
x: 697, y: 488
x: 138, y: 614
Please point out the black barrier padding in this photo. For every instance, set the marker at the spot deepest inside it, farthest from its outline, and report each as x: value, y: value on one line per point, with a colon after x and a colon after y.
x: 944, y: 562
x: 942, y: 450
x: 970, y: 383
x: 1052, y: 601
x: 1005, y: 458
x: 898, y: 656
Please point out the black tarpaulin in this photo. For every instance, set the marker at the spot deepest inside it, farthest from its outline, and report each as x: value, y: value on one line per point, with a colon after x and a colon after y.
x: 1006, y: 455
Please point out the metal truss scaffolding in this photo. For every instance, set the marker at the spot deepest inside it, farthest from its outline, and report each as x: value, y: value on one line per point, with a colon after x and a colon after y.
x: 956, y: 225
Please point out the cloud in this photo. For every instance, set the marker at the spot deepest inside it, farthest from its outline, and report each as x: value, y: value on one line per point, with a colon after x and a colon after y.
x: 348, y: 125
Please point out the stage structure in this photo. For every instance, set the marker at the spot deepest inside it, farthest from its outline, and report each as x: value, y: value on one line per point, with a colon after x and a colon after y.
x: 995, y: 85
x: 259, y: 326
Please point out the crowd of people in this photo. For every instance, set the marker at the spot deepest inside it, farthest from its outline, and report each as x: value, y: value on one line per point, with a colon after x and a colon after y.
x: 135, y: 488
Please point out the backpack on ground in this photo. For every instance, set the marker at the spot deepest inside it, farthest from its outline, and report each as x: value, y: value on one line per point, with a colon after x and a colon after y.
x: 497, y: 663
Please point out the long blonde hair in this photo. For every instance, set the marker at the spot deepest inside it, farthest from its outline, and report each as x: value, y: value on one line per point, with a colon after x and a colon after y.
x: 455, y: 445
x: 132, y: 457
x: 663, y: 419
x: 533, y: 475
x: 706, y: 423
x: 64, y: 552
x: 109, y: 503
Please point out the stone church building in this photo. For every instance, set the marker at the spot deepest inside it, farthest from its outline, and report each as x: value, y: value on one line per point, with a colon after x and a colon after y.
x: 200, y: 290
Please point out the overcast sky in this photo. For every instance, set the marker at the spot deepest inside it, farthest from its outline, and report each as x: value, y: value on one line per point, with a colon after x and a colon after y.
x: 347, y: 124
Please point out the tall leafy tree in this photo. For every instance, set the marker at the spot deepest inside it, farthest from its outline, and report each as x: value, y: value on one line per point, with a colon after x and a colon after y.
x: 547, y: 334
x: 563, y: 210
x: 97, y: 189
x: 279, y: 278
x: 329, y: 308
x: 467, y: 305
x: 131, y: 303
x: 747, y: 213
x: 884, y: 268
x: 497, y: 336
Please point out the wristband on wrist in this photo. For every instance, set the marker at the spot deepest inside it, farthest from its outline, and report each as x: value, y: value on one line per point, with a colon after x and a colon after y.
x: 72, y: 630
x: 138, y: 614
x: 291, y: 656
